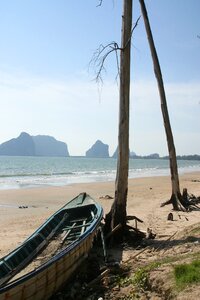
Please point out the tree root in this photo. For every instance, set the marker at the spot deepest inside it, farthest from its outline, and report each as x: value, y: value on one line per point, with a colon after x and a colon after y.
x: 184, y: 202
x: 127, y: 232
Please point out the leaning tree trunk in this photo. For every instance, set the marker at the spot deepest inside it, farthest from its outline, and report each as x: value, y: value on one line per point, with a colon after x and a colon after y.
x: 118, y: 210
x: 176, y: 195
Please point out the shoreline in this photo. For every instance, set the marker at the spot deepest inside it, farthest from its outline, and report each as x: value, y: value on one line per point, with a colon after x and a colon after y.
x: 144, y: 198
x: 57, y: 181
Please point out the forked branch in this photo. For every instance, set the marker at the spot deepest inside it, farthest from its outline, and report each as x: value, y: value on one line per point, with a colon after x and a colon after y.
x: 100, y: 56
x: 102, y: 53
x: 136, y: 23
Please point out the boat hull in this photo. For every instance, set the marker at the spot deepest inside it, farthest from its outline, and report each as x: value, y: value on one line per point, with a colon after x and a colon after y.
x: 46, y: 280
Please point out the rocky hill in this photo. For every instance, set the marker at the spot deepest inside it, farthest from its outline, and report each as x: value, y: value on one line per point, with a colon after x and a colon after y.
x: 48, y: 146
x: 98, y: 150
x: 40, y: 145
x: 131, y: 154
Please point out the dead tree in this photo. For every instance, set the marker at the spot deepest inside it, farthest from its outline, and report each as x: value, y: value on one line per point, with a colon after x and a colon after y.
x: 117, y: 214
x: 118, y: 210
x: 176, y: 198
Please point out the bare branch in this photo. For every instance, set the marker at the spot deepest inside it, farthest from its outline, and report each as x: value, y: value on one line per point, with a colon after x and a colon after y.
x: 100, y: 55
x: 136, y: 24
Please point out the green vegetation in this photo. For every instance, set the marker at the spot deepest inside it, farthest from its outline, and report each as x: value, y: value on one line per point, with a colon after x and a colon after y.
x: 186, y: 274
x: 138, y: 280
x: 141, y: 276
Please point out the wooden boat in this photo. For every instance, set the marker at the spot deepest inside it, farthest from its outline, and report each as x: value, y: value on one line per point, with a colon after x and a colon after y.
x: 69, y: 235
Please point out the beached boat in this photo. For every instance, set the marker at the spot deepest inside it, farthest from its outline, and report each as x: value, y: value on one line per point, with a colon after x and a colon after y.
x: 42, y: 263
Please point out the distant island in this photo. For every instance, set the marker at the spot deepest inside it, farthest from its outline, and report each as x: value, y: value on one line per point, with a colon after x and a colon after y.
x: 40, y: 145
x: 98, y: 150
x: 45, y: 145
x: 134, y: 155
x: 185, y: 157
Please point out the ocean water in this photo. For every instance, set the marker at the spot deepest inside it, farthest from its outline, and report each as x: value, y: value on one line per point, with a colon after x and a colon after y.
x: 29, y: 172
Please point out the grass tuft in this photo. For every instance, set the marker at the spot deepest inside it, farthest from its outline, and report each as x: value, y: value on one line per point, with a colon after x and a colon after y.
x: 141, y: 276
x: 187, y: 274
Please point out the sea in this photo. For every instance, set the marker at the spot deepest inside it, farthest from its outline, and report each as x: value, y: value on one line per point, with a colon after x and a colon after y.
x: 19, y: 172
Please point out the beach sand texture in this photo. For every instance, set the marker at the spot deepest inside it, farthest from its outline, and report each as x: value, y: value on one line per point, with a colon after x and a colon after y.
x: 144, y: 198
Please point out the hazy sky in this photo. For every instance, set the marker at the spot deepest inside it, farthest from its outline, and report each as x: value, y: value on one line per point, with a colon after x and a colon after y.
x: 46, y: 86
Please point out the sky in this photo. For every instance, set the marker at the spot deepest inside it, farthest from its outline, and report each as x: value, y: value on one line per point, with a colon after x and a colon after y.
x: 47, y: 80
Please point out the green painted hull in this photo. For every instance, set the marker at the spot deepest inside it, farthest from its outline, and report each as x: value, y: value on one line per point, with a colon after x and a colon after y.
x: 71, y: 230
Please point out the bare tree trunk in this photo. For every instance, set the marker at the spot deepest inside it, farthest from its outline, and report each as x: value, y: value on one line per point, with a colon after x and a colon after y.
x: 118, y: 210
x: 176, y: 195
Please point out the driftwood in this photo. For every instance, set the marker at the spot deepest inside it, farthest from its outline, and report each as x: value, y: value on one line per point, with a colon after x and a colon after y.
x: 128, y: 218
x: 150, y: 246
x: 134, y: 256
x: 119, y: 227
x: 139, y: 233
x: 142, y: 234
x: 113, y: 230
x: 103, y: 243
x: 98, y: 278
x: 166, y: 242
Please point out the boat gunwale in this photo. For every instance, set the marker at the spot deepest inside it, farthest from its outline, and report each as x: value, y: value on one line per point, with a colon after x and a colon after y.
x: 47, y: 221
x: 90, y: 229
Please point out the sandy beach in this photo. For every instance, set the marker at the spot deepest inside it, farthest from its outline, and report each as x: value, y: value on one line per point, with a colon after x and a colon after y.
x: 144, y: 198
